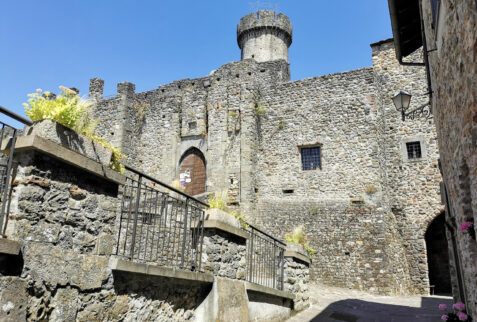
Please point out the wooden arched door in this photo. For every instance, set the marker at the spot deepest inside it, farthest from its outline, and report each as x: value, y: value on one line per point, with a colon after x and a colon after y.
x: 192, y: 173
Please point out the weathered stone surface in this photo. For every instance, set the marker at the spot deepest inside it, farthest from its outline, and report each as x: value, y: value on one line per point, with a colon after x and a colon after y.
x: 56, y: 266
x: 65, y: 304
x: 224, y: 254
x: 60, y: 134
x: 453, y: 75
x: 13, y: 299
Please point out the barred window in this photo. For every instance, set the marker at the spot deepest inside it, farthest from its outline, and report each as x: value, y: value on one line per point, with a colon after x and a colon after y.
x: 413, y: 150
x: 311, y: 158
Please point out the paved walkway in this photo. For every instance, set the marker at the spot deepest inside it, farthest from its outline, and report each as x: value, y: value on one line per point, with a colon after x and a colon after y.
x: 333, y: 304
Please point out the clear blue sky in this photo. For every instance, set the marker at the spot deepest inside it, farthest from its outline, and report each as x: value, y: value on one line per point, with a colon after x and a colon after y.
x: 46, y: 43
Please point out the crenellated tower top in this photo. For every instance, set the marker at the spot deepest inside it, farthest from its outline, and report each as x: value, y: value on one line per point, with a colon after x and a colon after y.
x: 264, y: 36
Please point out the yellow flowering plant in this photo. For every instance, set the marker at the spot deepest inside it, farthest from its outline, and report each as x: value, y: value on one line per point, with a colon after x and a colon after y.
x: 72, y: 111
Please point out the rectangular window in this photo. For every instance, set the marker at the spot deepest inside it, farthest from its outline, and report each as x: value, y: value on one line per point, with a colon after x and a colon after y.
x: 413, y: 150
x: 311, y: 158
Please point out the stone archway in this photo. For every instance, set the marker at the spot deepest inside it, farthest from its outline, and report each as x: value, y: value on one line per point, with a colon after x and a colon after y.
x: 438, y: 256
x: 192, y: 173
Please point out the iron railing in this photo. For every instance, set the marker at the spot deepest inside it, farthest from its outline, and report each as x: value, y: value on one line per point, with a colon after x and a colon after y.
x: 265, y: 262
x: 160, y: 224
x: 6, y: 165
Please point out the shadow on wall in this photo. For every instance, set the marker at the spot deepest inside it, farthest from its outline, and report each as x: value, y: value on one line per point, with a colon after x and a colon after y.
x: 164, y: 293
x: 362, y: 311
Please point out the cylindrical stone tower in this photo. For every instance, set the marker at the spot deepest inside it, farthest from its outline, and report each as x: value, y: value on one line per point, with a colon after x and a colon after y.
x: 264, y: 36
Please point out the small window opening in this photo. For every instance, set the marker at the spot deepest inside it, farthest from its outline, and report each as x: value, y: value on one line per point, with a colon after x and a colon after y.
x: 237, y: 76
x: 192, y: 125
x: 288, y: 191
x: 311, y: 158
x: 249, y: 73
x: 218, y: 79
x: 347, y: 253
x: 256, y: 190
x: 231, y: 181
x: 253, y: 56
x: 162, y: 90
x: 262, y: 70
x: 147, y: 219
x: 413, y: 150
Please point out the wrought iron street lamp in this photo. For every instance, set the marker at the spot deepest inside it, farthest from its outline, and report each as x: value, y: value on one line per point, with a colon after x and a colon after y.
x: 402, y: 100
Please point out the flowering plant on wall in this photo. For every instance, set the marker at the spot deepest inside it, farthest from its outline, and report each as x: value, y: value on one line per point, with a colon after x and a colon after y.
x: 71, y: 111
x: 458, y: 314
x: 468, y: 227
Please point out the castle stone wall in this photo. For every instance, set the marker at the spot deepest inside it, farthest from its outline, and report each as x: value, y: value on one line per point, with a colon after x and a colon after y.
x: 412, y: 186
x: 453, y: 76
x: 250, y: 122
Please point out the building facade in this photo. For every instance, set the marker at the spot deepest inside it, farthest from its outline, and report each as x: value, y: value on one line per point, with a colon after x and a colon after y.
x: 447, y: 30
x: 329, y: 153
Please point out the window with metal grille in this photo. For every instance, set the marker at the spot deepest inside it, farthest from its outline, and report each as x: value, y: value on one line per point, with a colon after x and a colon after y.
x: 311, y: 158
x: 413, y: 150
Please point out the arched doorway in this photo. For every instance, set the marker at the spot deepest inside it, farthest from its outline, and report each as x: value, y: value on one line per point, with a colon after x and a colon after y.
x: 192, y: 173
x: 438, y: 256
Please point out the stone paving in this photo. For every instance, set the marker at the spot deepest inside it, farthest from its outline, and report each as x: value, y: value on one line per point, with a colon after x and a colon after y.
x: 336, y: 304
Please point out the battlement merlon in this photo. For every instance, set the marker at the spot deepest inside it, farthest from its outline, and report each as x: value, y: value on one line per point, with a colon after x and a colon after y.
x: 264, y: 19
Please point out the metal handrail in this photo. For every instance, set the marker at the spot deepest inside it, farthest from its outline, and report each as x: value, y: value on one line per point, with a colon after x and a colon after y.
x: 15, y: 116
x: 165, y: 185
x: 266, y: 234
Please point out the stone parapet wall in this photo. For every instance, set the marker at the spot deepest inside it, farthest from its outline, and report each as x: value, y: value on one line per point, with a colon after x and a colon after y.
x: 296, y: 279
x: 224, y: 254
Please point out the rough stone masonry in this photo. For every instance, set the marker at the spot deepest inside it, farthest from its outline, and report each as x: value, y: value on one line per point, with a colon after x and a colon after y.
x: 365, y: 208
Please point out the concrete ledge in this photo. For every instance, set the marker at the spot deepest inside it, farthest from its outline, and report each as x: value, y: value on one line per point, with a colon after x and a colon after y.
x: 9, y: 247
x: 268, y: 290
x: 121, y: 265
x: 299, y: 256
x: 220, y: 225
x: 34, y: 142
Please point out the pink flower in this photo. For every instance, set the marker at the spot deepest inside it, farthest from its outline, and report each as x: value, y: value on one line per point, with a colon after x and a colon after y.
x: 442, y: 307
x: 444, y: 317
x: 459, y: 306
x: 462, y: 316
x: 465, y: 226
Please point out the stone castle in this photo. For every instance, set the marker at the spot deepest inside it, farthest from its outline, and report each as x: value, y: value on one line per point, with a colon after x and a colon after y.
x: 329, y: 153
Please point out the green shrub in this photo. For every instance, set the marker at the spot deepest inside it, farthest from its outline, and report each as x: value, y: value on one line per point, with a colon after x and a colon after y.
x: 260, y: 109
x: 218, y: 200
x: 73, y: 112
x: 299, y: 237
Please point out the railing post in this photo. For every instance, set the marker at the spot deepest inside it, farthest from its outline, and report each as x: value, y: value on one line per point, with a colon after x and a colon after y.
x: 251, y: 257
x: 136, y: 213
x: 274, y: 267
x: 185, y: 233
x: 201, y: 237
x: 282, y: 268
x: 6, y: 189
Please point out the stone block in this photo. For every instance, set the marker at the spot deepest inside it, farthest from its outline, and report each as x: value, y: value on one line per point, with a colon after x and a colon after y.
x: 13, y: 299
x: 60, y: 134
x: 56, y: 266
x: 66, y: 304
